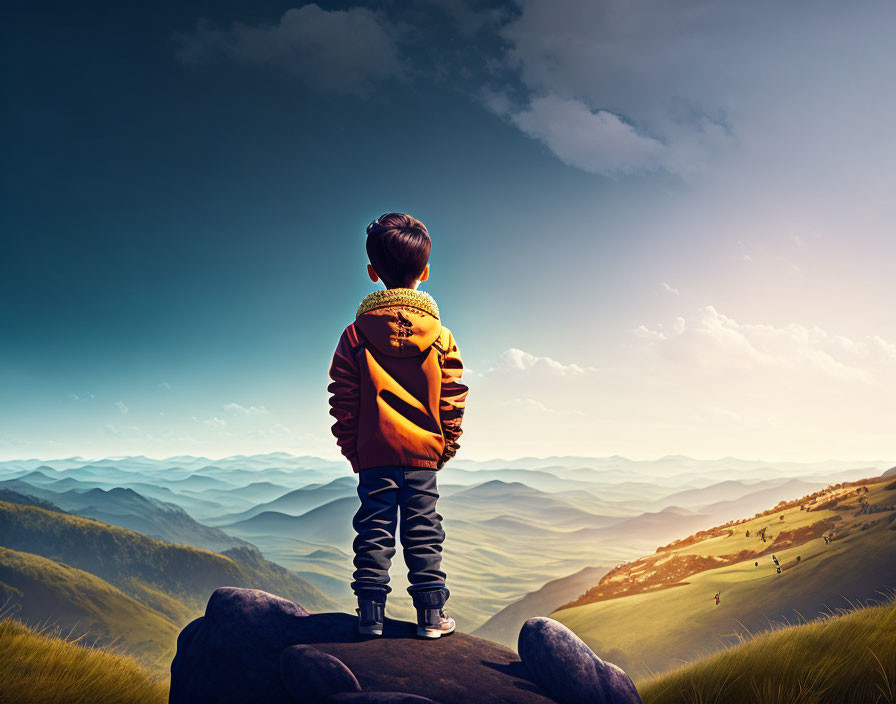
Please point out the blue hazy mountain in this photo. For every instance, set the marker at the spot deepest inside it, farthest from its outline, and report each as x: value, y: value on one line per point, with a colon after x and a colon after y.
x: 512, y: 525
x: 298, y: 501
x: 126, y: 508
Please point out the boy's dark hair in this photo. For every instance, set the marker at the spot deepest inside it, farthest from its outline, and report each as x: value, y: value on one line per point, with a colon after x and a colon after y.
x: 398, y: 246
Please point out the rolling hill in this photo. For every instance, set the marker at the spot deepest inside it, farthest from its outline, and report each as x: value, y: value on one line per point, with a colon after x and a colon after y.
x: 651, y: 614
x: 39, y: 591
x: 150, y: 570
x: 298, y: 501
x: 128, y: 509
x: 15, y: 497
x: 756, y: 501
x: 331, y: 522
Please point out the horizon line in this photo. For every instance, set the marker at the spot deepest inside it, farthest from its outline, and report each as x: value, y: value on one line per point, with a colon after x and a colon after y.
x: 81, y: 458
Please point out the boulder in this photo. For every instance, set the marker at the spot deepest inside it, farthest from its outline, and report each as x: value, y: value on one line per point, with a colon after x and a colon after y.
x: 232, y: 653
x: 244, y: 651
x: 310, y: 675
x: 560, y: 662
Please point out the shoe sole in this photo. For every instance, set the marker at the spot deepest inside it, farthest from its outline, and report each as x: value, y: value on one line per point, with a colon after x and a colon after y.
x: 370, y: 630
x: 433, y: 633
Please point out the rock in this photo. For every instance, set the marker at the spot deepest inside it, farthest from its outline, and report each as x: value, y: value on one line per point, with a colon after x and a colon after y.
x: 568, y: 669
x: 378, y: 698
x: 232, y: 653
x: 310, y: 675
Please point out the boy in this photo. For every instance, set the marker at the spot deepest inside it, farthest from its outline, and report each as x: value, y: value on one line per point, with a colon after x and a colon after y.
x: 398, y: 401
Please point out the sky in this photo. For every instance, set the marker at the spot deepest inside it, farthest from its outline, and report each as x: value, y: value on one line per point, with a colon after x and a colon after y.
x: 658, y: 228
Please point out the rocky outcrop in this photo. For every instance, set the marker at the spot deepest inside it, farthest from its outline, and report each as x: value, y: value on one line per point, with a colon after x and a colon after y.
x: 253, y: 647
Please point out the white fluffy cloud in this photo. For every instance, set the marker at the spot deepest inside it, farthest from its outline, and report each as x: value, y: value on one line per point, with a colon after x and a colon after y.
x: 335, y: 50
x: 595, y: 141
x: 122, y: 407
x: 278, y: 431
x: 702, y: 380
x: 514, y: 361
x: 213, y: 422
x: 237, y: 409
x: 669, y: 289
x: 715, y: 342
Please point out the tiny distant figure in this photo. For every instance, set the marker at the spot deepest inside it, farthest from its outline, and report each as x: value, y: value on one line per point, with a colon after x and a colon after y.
x: 797, y: 558
x: 778, y: 569
x: 756, y: 564
x: 775, y: 559
x: 718, y: 597
x: 781, y: 518
x: 748, y: 534
x: 398, y: 401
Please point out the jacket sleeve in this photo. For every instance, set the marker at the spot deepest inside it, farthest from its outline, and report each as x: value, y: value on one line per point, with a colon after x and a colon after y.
x: 345, y: 398
x: 452, y: 401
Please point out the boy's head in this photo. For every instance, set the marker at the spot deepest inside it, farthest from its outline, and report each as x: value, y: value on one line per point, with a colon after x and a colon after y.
x: 398, y: 248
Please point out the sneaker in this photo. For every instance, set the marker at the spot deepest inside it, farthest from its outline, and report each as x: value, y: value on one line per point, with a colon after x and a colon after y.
x: 371, y: 615
x: 433, y: 623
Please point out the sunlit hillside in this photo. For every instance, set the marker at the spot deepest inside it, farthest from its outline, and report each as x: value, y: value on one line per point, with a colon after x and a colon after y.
x: 654, y: 613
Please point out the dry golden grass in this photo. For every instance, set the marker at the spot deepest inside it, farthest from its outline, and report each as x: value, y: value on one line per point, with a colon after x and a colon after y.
x: 844, y: 659
x: 43, y: 668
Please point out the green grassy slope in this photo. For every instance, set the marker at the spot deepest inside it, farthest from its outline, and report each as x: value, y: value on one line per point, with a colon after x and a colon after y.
x: 41, y: 590
x: 148, y: 569
x: 657, y: 629
x: 39, y: 668
x: 848, y: 659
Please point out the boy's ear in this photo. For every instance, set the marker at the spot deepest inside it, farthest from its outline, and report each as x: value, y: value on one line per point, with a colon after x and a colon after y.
x: 371, y: 272
x: 425, y: 274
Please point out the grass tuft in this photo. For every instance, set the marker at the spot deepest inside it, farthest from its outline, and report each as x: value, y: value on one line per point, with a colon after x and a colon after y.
x: 43, y: 668
x: 843, y: 659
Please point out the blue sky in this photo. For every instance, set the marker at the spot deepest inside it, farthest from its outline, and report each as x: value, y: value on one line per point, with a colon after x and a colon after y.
x: 656, y: 228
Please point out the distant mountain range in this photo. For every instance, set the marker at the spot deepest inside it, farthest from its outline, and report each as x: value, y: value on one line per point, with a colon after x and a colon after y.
x: 128, y: 509
x: 297, y: 501
x: 512, y: 525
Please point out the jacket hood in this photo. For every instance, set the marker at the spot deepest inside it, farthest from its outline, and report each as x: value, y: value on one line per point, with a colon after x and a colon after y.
x: 400, y: 322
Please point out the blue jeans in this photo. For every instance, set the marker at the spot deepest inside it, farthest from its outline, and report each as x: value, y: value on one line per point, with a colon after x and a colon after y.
x: 384, y: 491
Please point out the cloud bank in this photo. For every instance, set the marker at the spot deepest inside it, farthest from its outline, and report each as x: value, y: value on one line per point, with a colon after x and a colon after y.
x: 343, y: 51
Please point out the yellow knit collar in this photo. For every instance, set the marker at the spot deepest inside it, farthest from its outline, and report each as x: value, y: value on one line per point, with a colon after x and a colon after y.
x: 409, y: 297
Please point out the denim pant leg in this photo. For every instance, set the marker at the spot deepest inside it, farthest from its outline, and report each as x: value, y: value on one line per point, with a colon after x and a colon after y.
x: 375, y: 523
x: 422, y: 536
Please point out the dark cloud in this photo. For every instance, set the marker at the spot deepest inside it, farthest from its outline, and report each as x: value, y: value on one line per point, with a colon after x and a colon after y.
x: 343, y: 51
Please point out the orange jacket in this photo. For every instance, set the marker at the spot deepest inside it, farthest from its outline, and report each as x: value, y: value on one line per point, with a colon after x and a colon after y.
x: 396, y: 392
